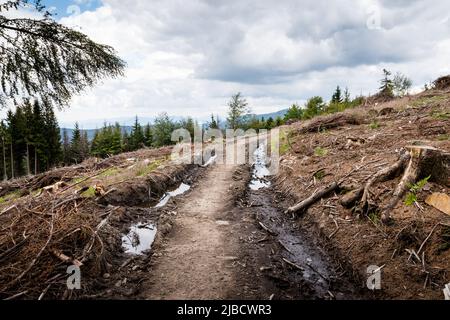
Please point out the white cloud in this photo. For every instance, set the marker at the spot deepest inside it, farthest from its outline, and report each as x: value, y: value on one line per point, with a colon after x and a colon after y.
x: 187, y: 58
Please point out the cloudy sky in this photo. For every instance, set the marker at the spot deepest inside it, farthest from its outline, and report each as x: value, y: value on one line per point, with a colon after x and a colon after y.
x: 188, y: 57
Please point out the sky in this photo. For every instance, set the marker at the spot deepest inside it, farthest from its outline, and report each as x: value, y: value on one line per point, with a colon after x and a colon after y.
x: 188, y: 57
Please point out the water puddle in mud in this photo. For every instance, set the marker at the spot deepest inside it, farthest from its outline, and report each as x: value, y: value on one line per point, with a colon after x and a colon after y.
x: 139, y: 239
x: 179, y: 191
x: 141, y: 235
x: 299, y: 247
x: 210, y: 161
x: 260, y: 171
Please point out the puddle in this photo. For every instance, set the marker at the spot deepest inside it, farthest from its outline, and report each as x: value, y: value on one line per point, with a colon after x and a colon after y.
x: 179, y: 191
x: 301, y: 248
x: 210, y: 161
x: 139, y: 239
x: 260, y: 171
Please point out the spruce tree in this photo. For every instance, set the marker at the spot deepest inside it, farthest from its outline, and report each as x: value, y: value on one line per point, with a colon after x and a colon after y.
x: 137, y: 136
x: 148, y: 134
x: 66, y: 150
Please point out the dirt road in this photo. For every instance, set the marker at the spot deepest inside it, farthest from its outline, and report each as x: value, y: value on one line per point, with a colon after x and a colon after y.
x: 196, y: 256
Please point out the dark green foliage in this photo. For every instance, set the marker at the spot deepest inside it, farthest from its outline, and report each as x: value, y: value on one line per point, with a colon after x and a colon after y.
x: 237, y: 109
x: 30, y: 140
x: 387, y: 85
x: 137, y: 138
x: 107, y: 141
x: 79, y: 146
x: 214, y: 124
x: 337, y: 96
x: 162, y: 130
x: 47, y: 61
x: 314, y: 107
x: 294, y: 113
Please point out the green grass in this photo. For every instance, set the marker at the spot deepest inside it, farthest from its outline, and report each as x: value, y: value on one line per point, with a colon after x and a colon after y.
x: 320, y: 152
x: 425, y: 101
x: 110, y: 172
x: 374, y: 125
x: 374, y: 217
x: 441, y: 115
x: 10, y: 196
x: 142, y: 171
x: 89, y: 193
x: 444, y: 137
x: 284, y: 142
x: 77, y: 180
x: 320, y: 174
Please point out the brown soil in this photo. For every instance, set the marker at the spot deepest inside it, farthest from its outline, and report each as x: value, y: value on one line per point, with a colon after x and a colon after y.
x: 317, y: 159
x: 222, y: 240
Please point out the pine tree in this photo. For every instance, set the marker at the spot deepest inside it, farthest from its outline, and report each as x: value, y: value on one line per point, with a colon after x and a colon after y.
x: 387, y: 85
x: 52, y: 136
x: 213, y: 124
x: 116, y: 140
x: 293, y: 113
x: 75, y: 145
x: 337, y: 96
x: 66, y: 148
x: 148, y: 134
x: 137, y: 136
x: 314, y: 107
x: 237, y: 108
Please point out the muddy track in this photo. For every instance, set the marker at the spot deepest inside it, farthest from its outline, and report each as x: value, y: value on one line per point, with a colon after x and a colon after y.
x: 217, y: 248
x: 193, y: 261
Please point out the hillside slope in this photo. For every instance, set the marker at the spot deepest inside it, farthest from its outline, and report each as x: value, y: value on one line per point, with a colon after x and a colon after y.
x: 353, y: 147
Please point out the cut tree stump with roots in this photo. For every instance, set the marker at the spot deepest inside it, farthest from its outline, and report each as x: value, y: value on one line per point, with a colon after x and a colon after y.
x: 415, y: 162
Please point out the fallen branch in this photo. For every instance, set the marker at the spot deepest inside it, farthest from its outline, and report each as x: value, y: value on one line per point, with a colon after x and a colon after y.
x: 292, y: 264
x: 267, y: 229
x: 16, y: 280
x: 305, y: 204
x: 427, y: 238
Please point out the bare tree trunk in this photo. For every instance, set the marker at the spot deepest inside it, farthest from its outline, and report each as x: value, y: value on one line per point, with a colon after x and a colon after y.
x: 28, y: 160
x: 12, y: 162
x: 35, y: 161
x: 5, y: 176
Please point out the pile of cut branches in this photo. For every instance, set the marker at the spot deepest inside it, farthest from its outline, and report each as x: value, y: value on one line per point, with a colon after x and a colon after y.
x: 42, y: 237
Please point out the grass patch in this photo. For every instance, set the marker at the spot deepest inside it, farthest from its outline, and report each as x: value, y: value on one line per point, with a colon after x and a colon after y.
x: 374, y: 217
x: 110, y: 172
x: 77, y: 180
x: 425, y: 101
x: 441, y: 115
x: 320, y: 152
x: 144, y: 170
x: 284, y: 141
x: 319, y: 175
x: 10, y: 196
x: 374, y: 125
x: 444, y: 137
x: 89, y: 193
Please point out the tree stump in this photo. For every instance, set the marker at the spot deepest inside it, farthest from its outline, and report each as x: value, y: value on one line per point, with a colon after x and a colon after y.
x: 415, y: 163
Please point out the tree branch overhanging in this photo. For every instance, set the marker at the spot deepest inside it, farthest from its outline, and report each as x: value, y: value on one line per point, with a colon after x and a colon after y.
x: 45, y: 60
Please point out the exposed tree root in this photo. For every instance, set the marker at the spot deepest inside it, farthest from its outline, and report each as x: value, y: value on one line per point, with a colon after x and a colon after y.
x: 305, y: 204
x: 415, y: 163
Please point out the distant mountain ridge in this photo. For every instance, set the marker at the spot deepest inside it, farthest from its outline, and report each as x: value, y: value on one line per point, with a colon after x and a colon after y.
x: 126, y: 124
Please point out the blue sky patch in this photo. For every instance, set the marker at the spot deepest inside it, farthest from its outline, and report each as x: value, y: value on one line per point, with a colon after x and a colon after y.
x: 64, y: 8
